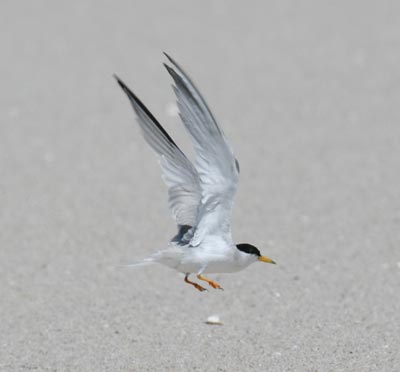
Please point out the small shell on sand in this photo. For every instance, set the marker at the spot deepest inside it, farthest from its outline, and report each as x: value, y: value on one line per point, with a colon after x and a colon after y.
x: 214, y: 320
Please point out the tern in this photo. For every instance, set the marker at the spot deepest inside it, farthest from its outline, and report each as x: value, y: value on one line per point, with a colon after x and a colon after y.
x: 200, y: 195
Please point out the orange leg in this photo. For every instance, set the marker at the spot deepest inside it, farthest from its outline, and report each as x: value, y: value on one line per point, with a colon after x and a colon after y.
x: 197, y: 286
x: 210, y: 282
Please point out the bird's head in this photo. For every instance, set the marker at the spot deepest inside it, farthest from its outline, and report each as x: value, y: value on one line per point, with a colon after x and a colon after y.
x: 252, y: 253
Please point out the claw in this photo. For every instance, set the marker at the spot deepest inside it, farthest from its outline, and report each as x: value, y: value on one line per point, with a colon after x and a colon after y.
x: 200, y: 288
x: 197, y: 286
x: 215, y: 285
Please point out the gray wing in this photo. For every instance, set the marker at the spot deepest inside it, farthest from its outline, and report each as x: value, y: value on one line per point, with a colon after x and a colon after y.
x: 178, y: 172
x: 215, y: 163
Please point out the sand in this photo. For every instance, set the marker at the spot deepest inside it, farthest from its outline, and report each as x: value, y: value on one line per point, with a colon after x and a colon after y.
x: 308, y: 95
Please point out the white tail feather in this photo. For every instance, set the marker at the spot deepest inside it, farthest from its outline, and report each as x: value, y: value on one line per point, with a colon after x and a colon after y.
x: 145, y: 262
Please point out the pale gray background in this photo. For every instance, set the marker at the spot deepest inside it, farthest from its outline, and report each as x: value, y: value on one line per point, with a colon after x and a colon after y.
x: 309, y: 96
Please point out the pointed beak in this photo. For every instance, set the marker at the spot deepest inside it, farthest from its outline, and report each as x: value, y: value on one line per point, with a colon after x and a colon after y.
x: 266, y: 259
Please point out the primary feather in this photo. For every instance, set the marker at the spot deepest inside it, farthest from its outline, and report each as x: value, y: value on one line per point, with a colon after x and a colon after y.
x: 215, y: 163
x: 178, y: 172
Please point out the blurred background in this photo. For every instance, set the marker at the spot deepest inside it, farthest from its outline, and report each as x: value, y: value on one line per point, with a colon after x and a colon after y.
x: 308, y: 95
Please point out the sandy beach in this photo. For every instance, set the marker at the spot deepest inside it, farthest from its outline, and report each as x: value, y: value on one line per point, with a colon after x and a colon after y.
x: 308, y: 94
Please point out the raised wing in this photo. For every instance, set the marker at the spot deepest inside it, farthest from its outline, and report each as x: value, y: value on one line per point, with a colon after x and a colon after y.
x: 215, y: 163
x: 178, y: 172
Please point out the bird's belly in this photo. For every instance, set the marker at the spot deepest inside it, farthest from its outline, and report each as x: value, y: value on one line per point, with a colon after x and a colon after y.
x: 189, y: 268
x: 220, y: 267
x: 213, y: 265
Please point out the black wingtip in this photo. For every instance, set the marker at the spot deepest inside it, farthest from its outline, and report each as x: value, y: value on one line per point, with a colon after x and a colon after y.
x: 138, y: 106
x: 177, y: 73
x: 119, y: 81
x: 169, y: 69
x: 168, y: 57
x: 172, y: 61
x: 128, y: 92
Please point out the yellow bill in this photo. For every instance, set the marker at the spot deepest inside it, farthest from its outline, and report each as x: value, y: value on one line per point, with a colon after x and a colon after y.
x: 266, y: 259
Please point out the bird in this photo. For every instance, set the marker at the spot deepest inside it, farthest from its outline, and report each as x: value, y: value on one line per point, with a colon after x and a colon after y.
x: 200, y: 194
